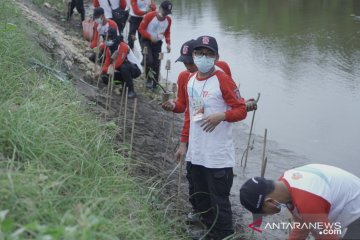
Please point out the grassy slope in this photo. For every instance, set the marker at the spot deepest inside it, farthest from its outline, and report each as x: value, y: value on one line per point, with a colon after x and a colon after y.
x: 59, y: 174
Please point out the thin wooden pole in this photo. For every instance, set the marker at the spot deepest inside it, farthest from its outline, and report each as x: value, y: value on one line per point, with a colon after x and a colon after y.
x: 264, y: 157
x: 161, y: 57
x: 167, y: 67
x: 251, y: 128
x: 179, y: 187
x: 133, y: 128
x: 126, y: 101
x: 145, y: 53
x: 101, y: 66
x: 121, y: 101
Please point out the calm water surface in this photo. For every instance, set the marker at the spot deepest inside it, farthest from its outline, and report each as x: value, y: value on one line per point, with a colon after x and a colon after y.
x: 304, y: 59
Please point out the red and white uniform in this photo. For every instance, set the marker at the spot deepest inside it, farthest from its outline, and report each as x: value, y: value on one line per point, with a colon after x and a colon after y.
x: 107, y: 9
x: 322, y: 193
x: 124, y: 52
x: 102, y: 30
x: 151, y: 27
x: 182, y: 81
x: 138, y: 8
x: 218, y: 94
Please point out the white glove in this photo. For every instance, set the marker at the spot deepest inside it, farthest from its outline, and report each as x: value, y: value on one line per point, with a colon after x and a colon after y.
x: 110, y: 70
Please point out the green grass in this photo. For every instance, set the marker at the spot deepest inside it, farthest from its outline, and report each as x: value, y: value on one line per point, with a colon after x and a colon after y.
x: 60, y: 176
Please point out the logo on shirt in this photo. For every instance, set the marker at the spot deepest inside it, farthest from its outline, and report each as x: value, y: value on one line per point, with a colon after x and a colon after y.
x: 296, y: 176
x: 205, y: 40
x: 185, y: 49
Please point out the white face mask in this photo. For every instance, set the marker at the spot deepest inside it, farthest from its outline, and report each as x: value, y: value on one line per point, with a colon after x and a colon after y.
x: 204, y: 63
x: 109, y: 43
x: 99, y: 21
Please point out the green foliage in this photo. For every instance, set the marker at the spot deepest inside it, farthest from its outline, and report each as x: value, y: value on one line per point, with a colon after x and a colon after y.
x: 60, y: 177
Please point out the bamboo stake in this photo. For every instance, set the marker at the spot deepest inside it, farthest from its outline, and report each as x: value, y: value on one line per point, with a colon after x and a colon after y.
x: 108, y: 99
x: 126, y: 101
x: 251, y: 128
x: 133, y: 128
x: 161, y: 57
x: 167, y: 67
x: 101, y: 66
x: 121, y: 102
x: 97, y: 52
x: 169, y: 137
x: 145, y: 53
x: 179, y: 188
x: 107, y: 95
x: 264, y: 157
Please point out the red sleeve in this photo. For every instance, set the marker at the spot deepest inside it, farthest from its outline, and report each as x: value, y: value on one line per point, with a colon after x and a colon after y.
x: 153, y: 5
x: 96, y: 3
x: 93, y: 42
x: 167, y: 31
x: 144, y: 24
x: 122, y: 4
x: 231, y: 95
x: 107, y: 61
x: 123, y: 51
x: 312, y: 209
x: 136, y: 9
x: 182, y: 100
x: 186, y: 127
x: 113, y: 25
x: 224, y: 66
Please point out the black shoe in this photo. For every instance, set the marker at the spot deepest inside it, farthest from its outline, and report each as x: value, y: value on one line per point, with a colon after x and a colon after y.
x: 131, y: 94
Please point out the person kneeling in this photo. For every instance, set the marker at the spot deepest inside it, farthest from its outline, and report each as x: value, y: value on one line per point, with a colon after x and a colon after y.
x: 121, y: 62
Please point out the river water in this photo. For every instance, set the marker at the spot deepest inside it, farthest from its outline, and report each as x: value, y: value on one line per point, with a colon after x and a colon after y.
x: 302, y: 56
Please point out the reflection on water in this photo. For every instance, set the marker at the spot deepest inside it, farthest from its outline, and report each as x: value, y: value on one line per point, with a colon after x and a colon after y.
x: 304, y: 58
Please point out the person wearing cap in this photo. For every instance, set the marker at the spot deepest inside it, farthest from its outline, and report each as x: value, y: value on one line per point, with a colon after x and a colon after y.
x: 153, y: 29
x: 187, y: 59
x: 314, y: 193
x: 109, y: 6
x: 214, y: 103
x: 121, y: 61
x: 101, y: 27
x: 138, y: 9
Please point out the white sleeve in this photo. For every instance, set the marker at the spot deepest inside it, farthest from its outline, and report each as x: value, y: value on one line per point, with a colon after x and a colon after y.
x: 133, y: 59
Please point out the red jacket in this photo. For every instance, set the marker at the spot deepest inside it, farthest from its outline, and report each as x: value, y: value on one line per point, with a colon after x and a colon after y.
x: 137, y: 11
x: 109, y: 23
x: 123, y: 50
x: 149, y: 23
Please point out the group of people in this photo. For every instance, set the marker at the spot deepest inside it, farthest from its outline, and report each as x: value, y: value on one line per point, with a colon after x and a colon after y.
x: 153, y: 26
x: 211, y: 101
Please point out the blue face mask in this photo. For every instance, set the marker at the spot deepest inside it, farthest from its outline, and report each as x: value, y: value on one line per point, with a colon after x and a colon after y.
x: 204, y: 63
x: 280, y: 205
x: 109, y: 43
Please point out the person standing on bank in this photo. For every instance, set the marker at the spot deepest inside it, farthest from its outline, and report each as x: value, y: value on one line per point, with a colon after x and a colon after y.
x: 214, y: 102
x: 126, y: 66
x: 314, y: 194
x: 153, y: 29
x: 79, y: 5
x: 109, y: 6
x: 138, y: 9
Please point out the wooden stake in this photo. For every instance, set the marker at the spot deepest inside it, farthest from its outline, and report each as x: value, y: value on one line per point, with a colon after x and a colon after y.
x: 167, y: 67
x: 126, y: 101
x: 113, y: 59
x: 145, y: 53
x: 264, y: 158
x: 179, y: 188
x: 133, y: 128
x: 251, y: 128
x: 107, y: 94
x: 97, y: 52
x: 161, y: 57
x: 121, y: 101
x: 101, y: 66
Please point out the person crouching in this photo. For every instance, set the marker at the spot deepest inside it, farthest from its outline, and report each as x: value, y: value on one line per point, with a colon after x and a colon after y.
x: 120, y: 61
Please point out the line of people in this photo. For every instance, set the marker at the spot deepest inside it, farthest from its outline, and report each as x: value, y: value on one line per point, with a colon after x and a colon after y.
x: 153, y: 26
